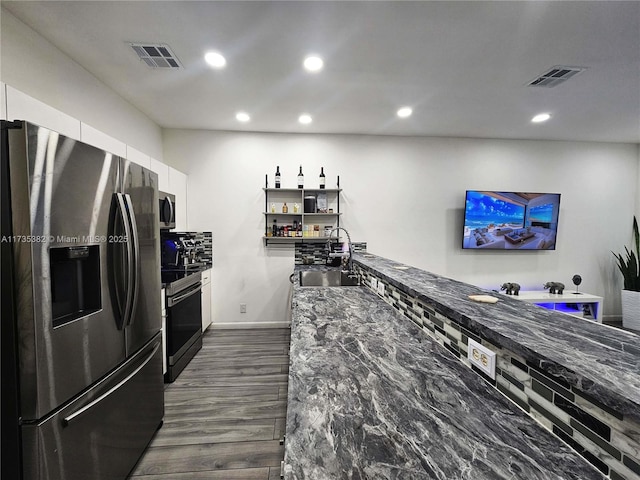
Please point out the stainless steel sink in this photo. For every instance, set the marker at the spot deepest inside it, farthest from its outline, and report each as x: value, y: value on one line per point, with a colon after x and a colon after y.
x: 329, y: 278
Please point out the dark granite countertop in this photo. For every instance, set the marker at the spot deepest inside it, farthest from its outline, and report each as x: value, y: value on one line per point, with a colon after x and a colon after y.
x: 372, y: 397
x: 601, y: 361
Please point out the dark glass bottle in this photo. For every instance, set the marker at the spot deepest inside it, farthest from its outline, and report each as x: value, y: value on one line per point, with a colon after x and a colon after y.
x: 278, y: 177
x: 300, y: 178
x: 322, y: 178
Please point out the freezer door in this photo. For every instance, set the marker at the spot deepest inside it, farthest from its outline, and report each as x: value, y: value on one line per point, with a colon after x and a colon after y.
x: 140, y: 186
x: 61, y: 203
x: 101, y: 435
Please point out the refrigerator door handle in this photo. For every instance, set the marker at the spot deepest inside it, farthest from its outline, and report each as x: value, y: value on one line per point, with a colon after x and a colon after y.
x: 128, y: 303
x: 78, y: 413
x: 135, y: 265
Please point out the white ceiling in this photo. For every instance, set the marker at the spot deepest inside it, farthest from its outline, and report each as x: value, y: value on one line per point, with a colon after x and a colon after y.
x: 462, y: 66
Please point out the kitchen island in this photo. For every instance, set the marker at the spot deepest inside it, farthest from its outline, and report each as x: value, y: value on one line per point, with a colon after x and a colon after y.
x: 372, y: 396
x: 600, y: 361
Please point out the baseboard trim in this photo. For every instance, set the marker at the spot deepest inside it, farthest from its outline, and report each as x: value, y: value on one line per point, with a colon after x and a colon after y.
x: 250, y: 325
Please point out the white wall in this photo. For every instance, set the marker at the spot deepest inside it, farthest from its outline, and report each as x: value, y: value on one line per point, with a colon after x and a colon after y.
x: 404, y: 196
x: 31, y: 64
x: 43, y: 85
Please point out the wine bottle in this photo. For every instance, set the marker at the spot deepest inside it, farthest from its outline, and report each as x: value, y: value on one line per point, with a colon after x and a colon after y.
x: 278, y: 177
x: 322, y: 178
x: 300, y: 178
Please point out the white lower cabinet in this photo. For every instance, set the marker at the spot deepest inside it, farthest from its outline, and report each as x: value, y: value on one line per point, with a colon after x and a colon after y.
x: 206, y: 299
x: 164, y: 333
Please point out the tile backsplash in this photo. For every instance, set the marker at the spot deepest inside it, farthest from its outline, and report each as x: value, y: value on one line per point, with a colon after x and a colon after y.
x: 318, y: 250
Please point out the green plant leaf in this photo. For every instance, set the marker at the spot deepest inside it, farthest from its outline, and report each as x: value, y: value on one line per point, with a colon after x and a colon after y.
x: 629, y: 264
x: 636, y: 237
x: 632, y: 272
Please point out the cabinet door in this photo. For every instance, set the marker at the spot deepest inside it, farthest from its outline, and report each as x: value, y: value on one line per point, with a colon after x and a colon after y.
x: 163, y: 174
x: 3, y: 101
x: 21, y: 106
x: 164, y: 332
x: 136, y: 156
x: 178, y: 186
x: 206, y: 299
x: 101, y: 140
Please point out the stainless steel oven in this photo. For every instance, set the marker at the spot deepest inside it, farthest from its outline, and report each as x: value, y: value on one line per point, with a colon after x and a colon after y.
x: 184, y: 319
x: 167, y: 204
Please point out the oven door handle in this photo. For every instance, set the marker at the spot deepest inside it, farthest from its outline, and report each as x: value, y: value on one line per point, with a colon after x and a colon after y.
x: 171, y: 301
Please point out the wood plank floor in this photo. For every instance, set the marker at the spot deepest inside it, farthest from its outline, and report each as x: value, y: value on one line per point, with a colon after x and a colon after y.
x: 225, y: 414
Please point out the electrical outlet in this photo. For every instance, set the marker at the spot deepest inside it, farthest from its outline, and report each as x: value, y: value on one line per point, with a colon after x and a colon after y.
x: 381, y: 289
x: 243, y: 308
x: 374, y: 284
x: 483, y: 358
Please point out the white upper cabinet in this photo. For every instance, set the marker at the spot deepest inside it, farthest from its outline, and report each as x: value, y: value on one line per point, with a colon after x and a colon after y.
x: 136, y: 156
x: 21, y: 106
x: 163, y: 174
x: 3, y: 102
x: 95, y: 137
x: 178, y: 186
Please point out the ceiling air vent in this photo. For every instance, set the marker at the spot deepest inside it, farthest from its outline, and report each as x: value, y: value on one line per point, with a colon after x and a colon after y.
x: 157, y: 55
x: 555, y: 76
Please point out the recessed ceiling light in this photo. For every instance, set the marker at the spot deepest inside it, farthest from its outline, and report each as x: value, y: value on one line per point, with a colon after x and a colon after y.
x: 243, y: 117
x: 305, y: 119
x: 313, y: 63
x: 215, y: 59
x: 541, y: 117
x: 404, y: 112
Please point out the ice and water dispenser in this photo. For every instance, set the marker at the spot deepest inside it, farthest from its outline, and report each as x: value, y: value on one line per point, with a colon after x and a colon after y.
x: 75, y: 282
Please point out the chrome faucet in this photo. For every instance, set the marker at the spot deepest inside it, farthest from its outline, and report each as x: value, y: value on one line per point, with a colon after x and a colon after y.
x: 350, y: 261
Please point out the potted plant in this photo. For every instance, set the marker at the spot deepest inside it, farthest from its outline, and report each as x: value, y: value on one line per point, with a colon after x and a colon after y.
x: 630, y: 269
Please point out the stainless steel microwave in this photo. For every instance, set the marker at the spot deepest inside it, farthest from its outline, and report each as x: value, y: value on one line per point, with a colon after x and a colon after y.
x: 167, y: 217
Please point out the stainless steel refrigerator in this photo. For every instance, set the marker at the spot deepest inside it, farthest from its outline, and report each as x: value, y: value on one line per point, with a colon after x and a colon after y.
x: 82, y: 382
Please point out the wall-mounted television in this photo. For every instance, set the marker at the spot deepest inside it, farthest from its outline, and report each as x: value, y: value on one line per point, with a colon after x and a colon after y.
x: 510, y: 220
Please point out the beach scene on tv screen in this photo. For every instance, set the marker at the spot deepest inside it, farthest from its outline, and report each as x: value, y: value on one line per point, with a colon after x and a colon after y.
x: 511, y: 220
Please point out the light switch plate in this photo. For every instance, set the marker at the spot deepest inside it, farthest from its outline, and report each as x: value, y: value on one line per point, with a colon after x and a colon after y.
x: 482, y: 357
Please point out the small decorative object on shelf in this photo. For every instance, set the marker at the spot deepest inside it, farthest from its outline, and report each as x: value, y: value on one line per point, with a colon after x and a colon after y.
x: 322, y: 177
x: 321, y: 203
x: 554, y: 287
x: 296, y: 208
x: 300, y: 178
x: 577, y: 280
x: 511, y: 288
x: 273, y: 208
x: 278, y: 176
x: 285, y: 209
